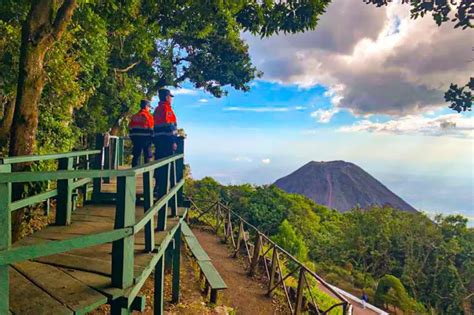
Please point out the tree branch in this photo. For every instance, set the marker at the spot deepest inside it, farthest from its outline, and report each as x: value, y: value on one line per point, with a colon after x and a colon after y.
x: 63, y: 17
x: 127, y: 68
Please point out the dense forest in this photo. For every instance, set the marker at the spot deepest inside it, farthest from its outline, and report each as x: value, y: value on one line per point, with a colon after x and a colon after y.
x: 403, y: 260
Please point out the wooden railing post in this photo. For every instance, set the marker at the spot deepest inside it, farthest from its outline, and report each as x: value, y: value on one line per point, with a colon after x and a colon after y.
x: 256, y: 254
x: 299, y: 292
x: 159, y: 286
x: 147, y: 204
x: 64, y: 201
x: 162, y: 178
x: 107, y: 155
x: 97, y: 165
x: 273, y: 270
x: 121, y: 151
x: 5, y: 238
x: 123, y: 249
x: 180, y: 170
x: 176, y: 263
x: 173, y: 203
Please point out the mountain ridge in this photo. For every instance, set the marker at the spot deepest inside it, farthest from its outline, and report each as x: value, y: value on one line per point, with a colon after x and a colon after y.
x: 340, y: 185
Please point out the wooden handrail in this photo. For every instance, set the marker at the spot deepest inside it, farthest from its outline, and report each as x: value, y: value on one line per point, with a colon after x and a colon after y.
x: 275, y: 266
x: 21, y: 177
x: 45, y: 157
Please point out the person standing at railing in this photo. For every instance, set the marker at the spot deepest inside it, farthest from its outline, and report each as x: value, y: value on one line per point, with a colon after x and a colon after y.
x: 165, y: 131
x: 141, y: 133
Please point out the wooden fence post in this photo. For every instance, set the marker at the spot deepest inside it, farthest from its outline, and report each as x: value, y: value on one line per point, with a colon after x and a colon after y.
x: 147, y: 204
x: 256, y: 254
x: 5, y: 239
x: 64, y: 201
x: 218, y: 216
x: 123, y: 249
x: 176, y: 264
x: 299, y: 292
x: 273, y: 270
x: 239, y: 239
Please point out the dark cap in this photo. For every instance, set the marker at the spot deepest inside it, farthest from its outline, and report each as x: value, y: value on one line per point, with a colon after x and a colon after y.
x: 163, y: 93
x: 144, y: 104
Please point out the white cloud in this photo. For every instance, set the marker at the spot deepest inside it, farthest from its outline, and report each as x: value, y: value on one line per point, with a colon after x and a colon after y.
x: 242, y: 159
x: 266, y: 161
x: 269, y: 109
x: 184, y: 91
x: 455, y: 125
x: 324, y: 115
x: 373, y: 60
x: 203, y: 100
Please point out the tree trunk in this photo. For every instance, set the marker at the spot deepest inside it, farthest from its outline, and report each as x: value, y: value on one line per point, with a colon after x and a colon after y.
x: 40, y: 31
x: 6, y: 123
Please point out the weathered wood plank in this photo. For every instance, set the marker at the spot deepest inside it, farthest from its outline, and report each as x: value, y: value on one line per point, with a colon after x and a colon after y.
x: 61, y: 286
x: 99, y: 282
x: 87, y: 264
x: 27, y: 298
x: 212, y: 275
x: 196, y: 249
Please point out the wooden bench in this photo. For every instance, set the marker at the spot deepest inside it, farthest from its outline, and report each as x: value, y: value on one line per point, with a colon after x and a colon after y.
x: 213, y: 279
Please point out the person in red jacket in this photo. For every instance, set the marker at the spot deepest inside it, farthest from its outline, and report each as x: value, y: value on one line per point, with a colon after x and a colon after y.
x: 165, y: 129
x: 141, y: 133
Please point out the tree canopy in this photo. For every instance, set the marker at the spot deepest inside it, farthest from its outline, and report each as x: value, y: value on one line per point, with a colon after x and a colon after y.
x: 403, y: 259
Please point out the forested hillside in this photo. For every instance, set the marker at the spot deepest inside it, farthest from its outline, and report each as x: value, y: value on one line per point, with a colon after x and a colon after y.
x: 403, y: 260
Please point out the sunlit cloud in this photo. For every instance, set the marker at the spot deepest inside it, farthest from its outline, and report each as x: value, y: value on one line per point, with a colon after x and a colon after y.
x: 324, y: 115
x: 269, y: 109
x: 242, y: 159
x: 183, y: 91
x: 203, y: 100
x: 454, y: 125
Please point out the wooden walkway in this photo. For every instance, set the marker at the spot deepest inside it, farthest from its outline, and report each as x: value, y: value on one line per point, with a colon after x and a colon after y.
x: 79, y: 280
x: 99, y: 253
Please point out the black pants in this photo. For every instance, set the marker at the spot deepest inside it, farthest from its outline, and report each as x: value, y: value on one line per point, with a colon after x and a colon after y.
x: 163, y: 148
x: 141, y: 144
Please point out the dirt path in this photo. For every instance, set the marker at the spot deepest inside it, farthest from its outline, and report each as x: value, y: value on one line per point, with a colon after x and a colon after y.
x: 244, y: 294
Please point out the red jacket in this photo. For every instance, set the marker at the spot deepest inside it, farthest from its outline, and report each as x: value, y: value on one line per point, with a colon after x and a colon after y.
x: 141, y: 124
x: 165, y: 120
x: 164, y: 114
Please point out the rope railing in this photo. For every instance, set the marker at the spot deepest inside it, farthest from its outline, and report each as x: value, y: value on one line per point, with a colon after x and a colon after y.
x: 265, y: 256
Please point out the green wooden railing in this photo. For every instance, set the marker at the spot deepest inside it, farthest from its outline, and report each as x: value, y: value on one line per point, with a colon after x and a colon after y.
x: 125, y: 227
x: 64, y: 191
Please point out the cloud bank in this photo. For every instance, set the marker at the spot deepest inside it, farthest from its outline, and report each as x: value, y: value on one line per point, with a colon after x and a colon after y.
x: 451, y: 124
x: 373, y: 60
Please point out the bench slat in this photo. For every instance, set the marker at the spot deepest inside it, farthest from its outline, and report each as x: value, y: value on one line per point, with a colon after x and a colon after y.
x: 196, y: 249
x: 212, y: 275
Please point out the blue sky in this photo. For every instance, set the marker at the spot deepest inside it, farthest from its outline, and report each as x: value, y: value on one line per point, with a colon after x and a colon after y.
x: 367, y: 89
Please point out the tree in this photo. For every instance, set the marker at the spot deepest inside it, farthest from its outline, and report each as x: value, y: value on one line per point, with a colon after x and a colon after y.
x: 460, y: 97
x: 43, y: 27
x: 290, y: 241
x: 151, y: 44
x: 439, y: 9
x: 390, y: 291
